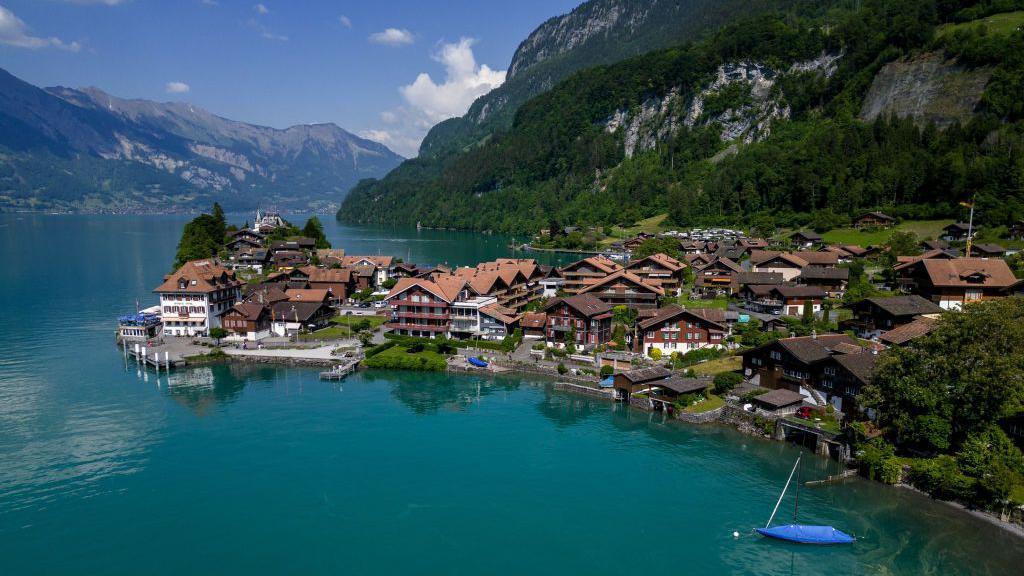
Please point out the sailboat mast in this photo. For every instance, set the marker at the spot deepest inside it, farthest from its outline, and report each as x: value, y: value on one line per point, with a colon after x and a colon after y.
x: 781, y: 496
x: 799, y: 478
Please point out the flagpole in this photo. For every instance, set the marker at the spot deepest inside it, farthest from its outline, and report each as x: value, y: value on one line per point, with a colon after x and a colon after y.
x: 970, y: 229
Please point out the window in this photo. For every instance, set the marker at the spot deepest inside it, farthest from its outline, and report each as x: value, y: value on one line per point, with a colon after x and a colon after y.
x: 650, y: 334
x: 776, y: 355
x: 830, y: 370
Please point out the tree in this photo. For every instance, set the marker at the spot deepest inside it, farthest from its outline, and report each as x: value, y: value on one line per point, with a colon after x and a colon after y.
x: 202, y: 237
x: 217, y: 333
x: 950, y: 384
x: 668, y: 246
x: 726, y: 381
x: 903, y: 244
x: 315, y: 230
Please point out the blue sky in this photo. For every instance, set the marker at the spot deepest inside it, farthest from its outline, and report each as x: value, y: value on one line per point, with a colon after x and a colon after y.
x: 358, y: 64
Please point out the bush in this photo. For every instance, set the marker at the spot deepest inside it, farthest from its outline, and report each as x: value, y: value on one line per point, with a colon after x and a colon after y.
x: 656, y: 354
x: 878, y: 462
x: 942, y: 478
x: 415, y: 348
x: 607, y: 371
x: 562, y: 369
x: 380, y: 348
x: 696, y: 356
x: 726, y: 381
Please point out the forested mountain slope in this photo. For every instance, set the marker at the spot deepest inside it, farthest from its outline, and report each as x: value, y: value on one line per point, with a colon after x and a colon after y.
x: 793, y: 117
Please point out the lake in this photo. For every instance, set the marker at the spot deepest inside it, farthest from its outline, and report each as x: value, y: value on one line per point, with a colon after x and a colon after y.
x: 253, y: 469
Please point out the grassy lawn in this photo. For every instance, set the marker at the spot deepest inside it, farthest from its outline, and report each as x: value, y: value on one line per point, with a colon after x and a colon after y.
x: 1005, y: 23
x: 712, y: 367
x: 710, y: 402
x: 341, y: 327
x: 721, y: 302
x: 399, y: 358
x: 828, y: 423
x: 924, y: 229
x: 1017, y: 494
x: 652, y: 225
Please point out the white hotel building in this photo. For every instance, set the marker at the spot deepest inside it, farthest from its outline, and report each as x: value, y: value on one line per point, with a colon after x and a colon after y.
x: 193, y: 298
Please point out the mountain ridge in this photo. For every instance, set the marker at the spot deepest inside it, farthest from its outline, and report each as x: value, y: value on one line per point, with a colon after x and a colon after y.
x: 88, y: 134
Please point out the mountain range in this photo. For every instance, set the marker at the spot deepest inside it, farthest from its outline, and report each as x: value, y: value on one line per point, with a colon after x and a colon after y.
x: 65, y: 149
x: 778, y: 113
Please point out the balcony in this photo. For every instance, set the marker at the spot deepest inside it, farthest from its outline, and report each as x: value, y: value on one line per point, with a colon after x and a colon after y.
x: 421, y: 316
x: 421, y: 327
x: 435, y: 304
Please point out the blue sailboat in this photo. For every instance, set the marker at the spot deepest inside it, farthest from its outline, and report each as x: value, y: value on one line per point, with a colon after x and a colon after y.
x: 802, y: 533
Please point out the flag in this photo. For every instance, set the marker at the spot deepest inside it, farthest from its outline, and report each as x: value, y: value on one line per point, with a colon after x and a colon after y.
x: 967, y: 204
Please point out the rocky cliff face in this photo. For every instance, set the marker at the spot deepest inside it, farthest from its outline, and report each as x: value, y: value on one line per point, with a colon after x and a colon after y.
x: 742, y: 99
x: 928, y: 88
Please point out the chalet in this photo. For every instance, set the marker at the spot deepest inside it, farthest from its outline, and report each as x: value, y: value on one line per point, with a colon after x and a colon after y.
x: 248, y: 234
x: 873, y: 316
x: 623, y: 288
x: 661, y: 270
x: 805, y: 239
x: 379, y: 265
x: 639, y: 380
x: 404, y: 270
x: 717, y: 277
x: 288, y: 258
x: 533, y: 324
x: 698, y: 259
x: 929, y: 245
x: 583, y: 314
x: 291, y: 317
x: 832, y: 280
x: 255, y: 259
x: 987, y: 251
x: 688, y: 247
x: 330, y: 256
x: 194, y: 296
x: 873, y: 220
x: 514, y: 282
x: 785, y: 299
x: 578, y: 274
x: 241, y: 243
x: 849, y: 252
x: 421, y: 307
x: 734, y: 253
x: 842, y: 377
x: 267, y: 293
x: 903, y: 334
x: 497, y: 322
x: 299, y: 244
x: 951, y: 283
x: 308, y: 295
x: 677, y: 329
x: 757, y: 279
x: 807, y: 363
x: 337, y: 281
x: 957, y: 232
x: 249, y: 320
x: 790, y: 264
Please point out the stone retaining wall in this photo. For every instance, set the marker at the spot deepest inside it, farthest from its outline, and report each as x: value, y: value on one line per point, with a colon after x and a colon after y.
x: 701, y: 417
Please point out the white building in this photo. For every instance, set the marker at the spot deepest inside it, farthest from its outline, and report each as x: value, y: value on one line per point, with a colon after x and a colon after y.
x: 193, y: 298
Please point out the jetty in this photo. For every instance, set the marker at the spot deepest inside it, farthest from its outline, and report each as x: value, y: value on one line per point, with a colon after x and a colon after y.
x: 341, y: 371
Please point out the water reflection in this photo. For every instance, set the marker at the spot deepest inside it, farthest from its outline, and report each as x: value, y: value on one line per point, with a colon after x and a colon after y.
x: 428, y: 394
x: 565, y: 409
x: 203, y: 388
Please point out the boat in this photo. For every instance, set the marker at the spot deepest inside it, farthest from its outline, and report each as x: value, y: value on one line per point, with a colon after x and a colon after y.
x: 801, y: 533
x: 477, y: 362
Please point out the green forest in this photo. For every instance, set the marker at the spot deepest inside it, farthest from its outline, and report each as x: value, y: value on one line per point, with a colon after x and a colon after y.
x: 821, y: 165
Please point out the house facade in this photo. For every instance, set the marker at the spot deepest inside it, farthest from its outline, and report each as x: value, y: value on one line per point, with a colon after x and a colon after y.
x: 193, y: 298
x: 623, y: 288
x: 952, y: 283
x: 587, y: 317
x: 661, y: 270
x: 677, y: 329
x: 873, y: 316
x: 578, y: 274
x: 422, y: 307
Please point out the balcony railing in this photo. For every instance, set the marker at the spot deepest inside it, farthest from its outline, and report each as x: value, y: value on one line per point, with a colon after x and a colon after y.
x: 421, y: 315
x: 422, y: 327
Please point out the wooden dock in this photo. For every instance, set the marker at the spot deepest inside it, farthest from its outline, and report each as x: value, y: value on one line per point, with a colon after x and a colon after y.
x: 341, y: 371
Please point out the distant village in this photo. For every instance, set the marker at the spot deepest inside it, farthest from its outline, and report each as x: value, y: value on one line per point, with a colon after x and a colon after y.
x: 774, y: 313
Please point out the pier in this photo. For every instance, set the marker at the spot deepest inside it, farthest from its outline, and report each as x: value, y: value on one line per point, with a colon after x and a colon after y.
x: 341, y: 371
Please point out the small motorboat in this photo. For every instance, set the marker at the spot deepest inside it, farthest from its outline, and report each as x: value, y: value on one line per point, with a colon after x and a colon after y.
x: 477, y: 362
x: 802, y: 533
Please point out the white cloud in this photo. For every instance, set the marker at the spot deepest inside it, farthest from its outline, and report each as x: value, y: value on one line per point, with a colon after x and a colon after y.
x: 344, y: 21
x: 429, y: 102
x: 177, y: 88
x: 392, y: 37
x: 14, y: 32
x: 272, y: 36
x: 464, y: 82
x: 261, y: 9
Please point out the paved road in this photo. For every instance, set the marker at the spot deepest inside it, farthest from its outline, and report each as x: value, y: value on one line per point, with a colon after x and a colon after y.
x: 320, y: 353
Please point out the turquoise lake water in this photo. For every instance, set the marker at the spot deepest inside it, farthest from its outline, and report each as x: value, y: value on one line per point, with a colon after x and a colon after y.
x: 261, y: 470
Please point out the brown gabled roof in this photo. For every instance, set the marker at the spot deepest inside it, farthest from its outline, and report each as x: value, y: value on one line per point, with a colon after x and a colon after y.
x: 446, y: 287
x: 759, y: 257
x: 307, y: 294
x: 780, y: 398
x: 266, y: 294
x: 534, y: 320
x: 906, y: 261
x: 724, y: 262
x: 296, y: 311
x: 200, y: 277
x: 586, y: 304
x: 799, y: 291
x: 910, y: 305
x: 501, y: 313
x: 716, y: 317
x: 876, y: 215
x: 330, y: 275
x: 663, y: 259
x: 759, y: 278
x: 822, y: 273
x: 699, y: 256
x: 915, y: 329
x: 809, y: 349
x: 860, y: 364
x: 606, y: 265
x: 250, y: 310
x: 960, y: 272
x: 642, y: 375
x: 625, y: 275
x: 681, y: 385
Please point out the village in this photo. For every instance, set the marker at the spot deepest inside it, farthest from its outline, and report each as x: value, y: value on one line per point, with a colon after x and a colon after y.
x: 769, y: 334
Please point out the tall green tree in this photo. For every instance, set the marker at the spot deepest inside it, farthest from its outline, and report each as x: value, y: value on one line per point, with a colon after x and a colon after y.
x: 314, y: 229
x: 202, y: 237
